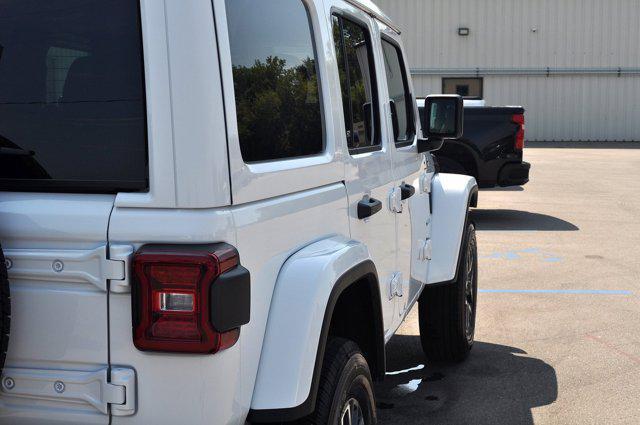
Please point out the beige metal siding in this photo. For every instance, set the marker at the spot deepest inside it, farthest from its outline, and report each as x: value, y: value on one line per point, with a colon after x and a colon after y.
x: 534, y: 34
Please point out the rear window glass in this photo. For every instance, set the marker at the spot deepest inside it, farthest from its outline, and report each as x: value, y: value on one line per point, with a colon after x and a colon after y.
x: 72, y: 112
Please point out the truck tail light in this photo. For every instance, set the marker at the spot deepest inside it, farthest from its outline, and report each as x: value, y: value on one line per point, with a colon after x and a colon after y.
x: 519, y: 119
x: 189, y: 298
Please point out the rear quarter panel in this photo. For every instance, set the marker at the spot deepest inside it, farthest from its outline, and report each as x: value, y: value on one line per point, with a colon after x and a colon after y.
x: 199, y: 389
x: 174, y: 388
x: 268, y: 233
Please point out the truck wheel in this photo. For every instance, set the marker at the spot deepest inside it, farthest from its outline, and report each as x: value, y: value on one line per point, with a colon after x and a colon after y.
x: 5, y: 311
x: 345, y: 394
x: 447, y: 313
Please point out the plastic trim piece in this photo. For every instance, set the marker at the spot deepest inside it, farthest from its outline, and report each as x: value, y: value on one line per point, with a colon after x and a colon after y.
x: 230, y: 299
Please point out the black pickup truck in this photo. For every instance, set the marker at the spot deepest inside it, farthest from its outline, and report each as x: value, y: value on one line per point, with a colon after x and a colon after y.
x: 490, y: 149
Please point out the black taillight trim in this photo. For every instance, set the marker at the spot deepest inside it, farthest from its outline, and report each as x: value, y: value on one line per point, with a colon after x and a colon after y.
x: 230, y: 299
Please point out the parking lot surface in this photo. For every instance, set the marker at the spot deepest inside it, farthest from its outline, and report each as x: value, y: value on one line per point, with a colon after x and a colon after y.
x: 558, y: 322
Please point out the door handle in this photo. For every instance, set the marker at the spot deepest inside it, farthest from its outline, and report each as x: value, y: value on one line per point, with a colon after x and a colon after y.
x: 368, y: 207
x: 407, y: 191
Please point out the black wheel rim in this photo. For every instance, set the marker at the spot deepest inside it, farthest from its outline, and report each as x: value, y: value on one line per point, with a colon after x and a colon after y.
x: 470, y: 288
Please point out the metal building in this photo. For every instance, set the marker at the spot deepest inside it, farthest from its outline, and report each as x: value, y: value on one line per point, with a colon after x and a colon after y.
x: 573, y: 64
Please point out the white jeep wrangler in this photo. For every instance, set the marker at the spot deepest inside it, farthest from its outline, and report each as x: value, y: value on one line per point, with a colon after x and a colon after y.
x: 219, y: 211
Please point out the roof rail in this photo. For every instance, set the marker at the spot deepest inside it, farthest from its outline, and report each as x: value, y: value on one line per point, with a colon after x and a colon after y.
x: 374, y: 11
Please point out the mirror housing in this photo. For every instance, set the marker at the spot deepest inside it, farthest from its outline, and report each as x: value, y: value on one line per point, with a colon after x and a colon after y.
x: 444, y: 120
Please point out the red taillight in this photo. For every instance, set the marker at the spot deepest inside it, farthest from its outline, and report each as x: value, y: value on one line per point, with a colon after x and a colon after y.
x: 519, y: 119
x: 175, y: 298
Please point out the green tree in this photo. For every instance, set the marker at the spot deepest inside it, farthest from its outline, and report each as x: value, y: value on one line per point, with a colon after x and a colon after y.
x: 278, y: 109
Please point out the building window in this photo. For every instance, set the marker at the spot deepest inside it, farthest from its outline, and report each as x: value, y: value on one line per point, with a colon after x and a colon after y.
x: 468, y: 88
x: 275, y: 79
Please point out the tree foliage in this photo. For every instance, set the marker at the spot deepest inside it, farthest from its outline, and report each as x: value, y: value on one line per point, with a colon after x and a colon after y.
x: 278, y: 109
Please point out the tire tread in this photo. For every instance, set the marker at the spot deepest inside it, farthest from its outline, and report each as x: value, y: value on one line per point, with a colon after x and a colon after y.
x: 337, y: 353
x: 440, y: 318
x: 5, y: 310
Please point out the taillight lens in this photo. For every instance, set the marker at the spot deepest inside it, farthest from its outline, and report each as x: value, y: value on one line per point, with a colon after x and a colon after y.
x: 174, y: 298
x: 519, y: 119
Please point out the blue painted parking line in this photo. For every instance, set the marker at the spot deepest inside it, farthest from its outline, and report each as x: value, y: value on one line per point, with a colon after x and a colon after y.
x: 558, y: 291
x: 523, y: 253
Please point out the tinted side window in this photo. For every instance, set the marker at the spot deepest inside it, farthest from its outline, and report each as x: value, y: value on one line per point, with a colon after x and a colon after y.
x: 399, y: 94
x: 72, y: 110
x: 275, y: 79
x: 358, y: 84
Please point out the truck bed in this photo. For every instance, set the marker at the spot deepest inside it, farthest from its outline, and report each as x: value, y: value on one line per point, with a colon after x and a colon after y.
x: 487, y: 150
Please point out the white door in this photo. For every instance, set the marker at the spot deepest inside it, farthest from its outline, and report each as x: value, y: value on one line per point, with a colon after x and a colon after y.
x: 369, y: 169
x: 412, y: 255
x: 72, y: 135
x: 56, y: 251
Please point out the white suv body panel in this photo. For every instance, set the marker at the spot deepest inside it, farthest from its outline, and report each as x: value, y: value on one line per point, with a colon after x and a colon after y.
x: 408, y: 167
x: 452, y: 195
x: 188, y: 165
x: 206, y: 388
x: 297, y: 313
x: 290, y: 221
x: 268, y: 179
x: 59, y: 306
x: 268, y: 233
x: 369, y: 174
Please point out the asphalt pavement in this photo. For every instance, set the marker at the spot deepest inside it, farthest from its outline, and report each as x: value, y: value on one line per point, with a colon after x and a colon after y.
x: 558, y: 323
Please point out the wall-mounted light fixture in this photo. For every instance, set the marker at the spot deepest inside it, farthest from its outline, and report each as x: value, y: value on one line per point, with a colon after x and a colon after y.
x: 463, y: 31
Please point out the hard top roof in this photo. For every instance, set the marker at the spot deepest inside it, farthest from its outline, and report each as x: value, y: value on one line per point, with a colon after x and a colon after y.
x: 373, y: 10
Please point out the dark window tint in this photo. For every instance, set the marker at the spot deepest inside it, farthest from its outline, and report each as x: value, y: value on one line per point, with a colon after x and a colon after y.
x: 402, y: 106
x: 469, y: 88
x: 358, y: 83
x: 275, y: 79
x: 72, y: 113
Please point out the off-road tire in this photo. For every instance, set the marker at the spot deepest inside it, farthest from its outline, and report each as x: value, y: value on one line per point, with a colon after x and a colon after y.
x: 5, y: 310
x: 447, y: 313
x: 345, y: 376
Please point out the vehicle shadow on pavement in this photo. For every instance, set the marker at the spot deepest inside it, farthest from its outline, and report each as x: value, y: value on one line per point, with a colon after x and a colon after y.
x: 504, y: 189
x: 498, y: 219
x: 496, y: 384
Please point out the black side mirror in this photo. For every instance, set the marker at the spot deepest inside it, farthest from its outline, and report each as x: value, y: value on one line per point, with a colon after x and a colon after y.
x: 444, y: 119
